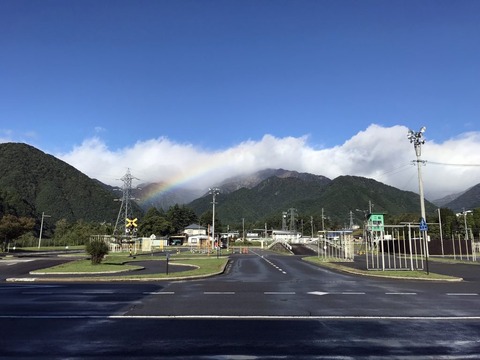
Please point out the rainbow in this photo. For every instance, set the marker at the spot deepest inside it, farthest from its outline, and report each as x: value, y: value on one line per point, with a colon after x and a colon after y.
x: 155, y: 190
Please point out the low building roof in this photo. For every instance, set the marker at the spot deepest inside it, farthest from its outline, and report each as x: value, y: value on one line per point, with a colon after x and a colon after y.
x: 195, y: 227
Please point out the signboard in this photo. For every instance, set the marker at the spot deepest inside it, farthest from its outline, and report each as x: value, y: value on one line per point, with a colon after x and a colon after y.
x: 376, y: 222
x: 423, y: 225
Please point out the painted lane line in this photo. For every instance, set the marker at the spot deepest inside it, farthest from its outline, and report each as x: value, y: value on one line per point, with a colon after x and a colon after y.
x: 271, y: 263
x: 219, y: 292
x: 321, y: 293
x: 352, y: 293
x: 462, y: 294
x: 98, y: 292
x: 243, y: 317
x: 159, y: 293
x: 399, y: 293
x: 279, y: 293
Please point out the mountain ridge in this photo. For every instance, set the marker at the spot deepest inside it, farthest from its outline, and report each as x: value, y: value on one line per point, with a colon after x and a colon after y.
x: 32, y: 182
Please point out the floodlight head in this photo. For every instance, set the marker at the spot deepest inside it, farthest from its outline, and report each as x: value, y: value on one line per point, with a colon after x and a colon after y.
x: 422, y: 130
x: 410, y: 134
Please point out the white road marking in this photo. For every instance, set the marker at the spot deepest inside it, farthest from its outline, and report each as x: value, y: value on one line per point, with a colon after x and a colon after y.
x: 279, y: 293
x: 14, y: 261
x: 97, y: 292
x: 462, y: 294
x: 159, y: 293
x: 242, y: 317
x: 271, y: 263
x: 400, y: 293
x: 321, y: 293
x: 219, y: 292
x: 352, y: 293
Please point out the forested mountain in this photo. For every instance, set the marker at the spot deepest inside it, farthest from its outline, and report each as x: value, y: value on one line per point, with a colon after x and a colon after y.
x: 251, y: 180
x: 32, y: 182
x: 338, y: 198
x: 468, y: 200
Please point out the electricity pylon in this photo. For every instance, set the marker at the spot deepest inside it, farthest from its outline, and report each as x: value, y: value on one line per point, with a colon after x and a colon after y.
x: 125, y: 213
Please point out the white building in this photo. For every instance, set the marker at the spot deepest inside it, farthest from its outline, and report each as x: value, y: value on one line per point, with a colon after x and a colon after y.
x: 195, y: 229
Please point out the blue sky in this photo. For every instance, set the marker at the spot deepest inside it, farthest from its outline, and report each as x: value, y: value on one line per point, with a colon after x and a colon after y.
x: 207, y: 77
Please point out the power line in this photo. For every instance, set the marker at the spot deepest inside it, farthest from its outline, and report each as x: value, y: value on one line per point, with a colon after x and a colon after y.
x: 446, y: 164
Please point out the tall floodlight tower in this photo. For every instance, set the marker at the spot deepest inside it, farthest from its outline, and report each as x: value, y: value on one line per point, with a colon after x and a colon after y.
x: 214, y: 192
x: 125, y: 216
x: 416, y: 138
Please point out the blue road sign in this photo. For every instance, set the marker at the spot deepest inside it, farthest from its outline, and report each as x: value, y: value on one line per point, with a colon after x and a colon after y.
x: 423, y: 225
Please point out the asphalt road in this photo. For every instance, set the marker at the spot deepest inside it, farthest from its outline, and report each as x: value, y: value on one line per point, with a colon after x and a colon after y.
x: 264, y: 306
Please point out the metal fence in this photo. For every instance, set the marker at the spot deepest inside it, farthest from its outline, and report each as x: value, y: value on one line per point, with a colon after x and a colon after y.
x: 405, y: 247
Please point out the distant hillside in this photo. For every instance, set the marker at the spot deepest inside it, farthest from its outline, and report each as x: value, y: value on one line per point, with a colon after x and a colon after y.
x: 469, y: 200
x: 152, y: 195
x: 349, y: 193
x: 309, y: 195
x: 447, y: 199
x: 253, y: 179
x: 32, y: 182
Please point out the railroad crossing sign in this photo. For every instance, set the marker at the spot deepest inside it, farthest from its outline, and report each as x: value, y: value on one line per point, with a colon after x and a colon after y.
x: 131, y: 222
x: 131, y: 226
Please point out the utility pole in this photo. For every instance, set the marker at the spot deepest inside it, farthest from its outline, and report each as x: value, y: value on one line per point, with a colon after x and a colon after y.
x: 41, y: 229
x: 293, y: 226
x: 311, y: 224
x: 243, y: 229
x: 214, y: 192
x: 440, y: 227
x: 323, y: 221
x: 416, y: 138
x: 284, y: 220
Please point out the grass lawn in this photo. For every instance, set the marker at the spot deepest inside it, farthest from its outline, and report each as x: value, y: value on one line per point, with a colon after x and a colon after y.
x: 116, y: 262
x: 399, y: 274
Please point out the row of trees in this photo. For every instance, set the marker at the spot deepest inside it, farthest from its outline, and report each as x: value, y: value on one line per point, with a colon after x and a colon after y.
x: 24, y: 231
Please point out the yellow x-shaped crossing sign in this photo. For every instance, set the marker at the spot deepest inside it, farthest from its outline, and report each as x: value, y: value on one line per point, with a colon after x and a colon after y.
x: 131, y: 222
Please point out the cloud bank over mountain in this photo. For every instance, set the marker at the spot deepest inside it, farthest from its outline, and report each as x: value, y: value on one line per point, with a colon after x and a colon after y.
x: 382, y: 153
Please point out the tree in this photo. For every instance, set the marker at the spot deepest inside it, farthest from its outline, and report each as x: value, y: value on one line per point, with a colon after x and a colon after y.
x: 206, y: 219
x: 154, y: 222
x: 11, y: 227
x: 97, y: 249
x: 180, y: 217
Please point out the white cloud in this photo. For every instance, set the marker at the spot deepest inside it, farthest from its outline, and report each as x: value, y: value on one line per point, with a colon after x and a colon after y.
x: 382, y: 153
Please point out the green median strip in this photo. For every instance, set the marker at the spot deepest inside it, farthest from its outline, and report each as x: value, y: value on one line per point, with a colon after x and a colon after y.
x: 395, y: 274
x: 115, y: 267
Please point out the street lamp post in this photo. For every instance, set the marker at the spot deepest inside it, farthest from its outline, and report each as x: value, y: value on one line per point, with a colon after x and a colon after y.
x: 41, y: 229
x: 214, y: 192
x: 416, y: 138
x: 465, y: 221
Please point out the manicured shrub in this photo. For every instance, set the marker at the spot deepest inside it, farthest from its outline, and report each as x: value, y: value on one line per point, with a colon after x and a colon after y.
x: 97, y: 249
